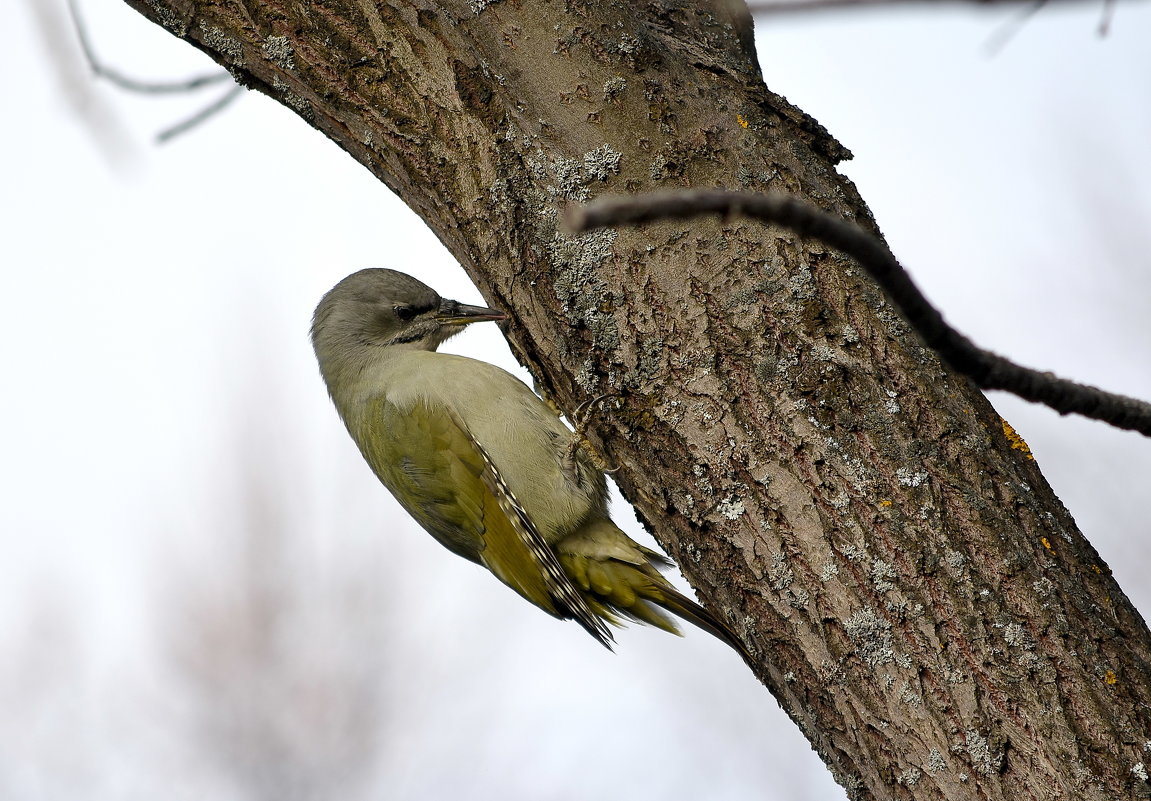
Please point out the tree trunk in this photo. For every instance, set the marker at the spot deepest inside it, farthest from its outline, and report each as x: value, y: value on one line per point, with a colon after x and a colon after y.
x: 916, y: 597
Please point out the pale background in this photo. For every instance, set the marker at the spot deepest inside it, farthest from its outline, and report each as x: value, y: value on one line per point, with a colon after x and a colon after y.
x: 204, y: 594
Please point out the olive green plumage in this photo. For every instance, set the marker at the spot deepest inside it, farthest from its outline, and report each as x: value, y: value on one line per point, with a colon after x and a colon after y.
x: 480, y: 461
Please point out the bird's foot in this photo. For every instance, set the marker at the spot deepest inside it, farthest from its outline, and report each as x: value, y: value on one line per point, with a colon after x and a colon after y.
x: 580, y: 417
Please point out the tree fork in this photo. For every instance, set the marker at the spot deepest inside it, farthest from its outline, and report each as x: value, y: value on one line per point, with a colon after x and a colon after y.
x: 917, y: 598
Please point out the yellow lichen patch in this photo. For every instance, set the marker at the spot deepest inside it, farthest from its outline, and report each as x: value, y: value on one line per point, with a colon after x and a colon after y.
x: 1016, y: 441
x: 743, y: 123
x: 1046, y: 544
x: 885, y: 503
x: 1110, y: 677
x: 1096, y: 568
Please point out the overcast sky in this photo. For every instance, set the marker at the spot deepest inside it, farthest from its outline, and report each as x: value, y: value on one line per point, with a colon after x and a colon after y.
x: 159, y: 376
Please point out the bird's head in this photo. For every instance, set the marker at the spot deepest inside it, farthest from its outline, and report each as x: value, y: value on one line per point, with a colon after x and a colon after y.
x: 379, y: 308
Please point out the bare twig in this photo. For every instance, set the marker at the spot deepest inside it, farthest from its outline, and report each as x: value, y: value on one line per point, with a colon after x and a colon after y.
x: 986, y: 369
x: 207, y: 111
x: 1105, y: 20
x: 119, y: 79
x: 129, y: 84
x: 1008, y: 31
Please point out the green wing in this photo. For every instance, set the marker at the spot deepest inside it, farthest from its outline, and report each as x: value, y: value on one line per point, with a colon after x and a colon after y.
x: 449, y: 484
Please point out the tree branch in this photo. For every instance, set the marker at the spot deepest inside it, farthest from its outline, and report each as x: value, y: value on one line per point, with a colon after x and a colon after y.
x: 988, y: 370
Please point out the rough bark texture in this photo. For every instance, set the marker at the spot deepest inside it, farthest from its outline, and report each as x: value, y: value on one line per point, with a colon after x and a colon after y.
x: 919, y: 601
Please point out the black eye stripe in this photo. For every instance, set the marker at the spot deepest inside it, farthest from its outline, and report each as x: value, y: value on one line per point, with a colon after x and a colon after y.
x: 406, y: 311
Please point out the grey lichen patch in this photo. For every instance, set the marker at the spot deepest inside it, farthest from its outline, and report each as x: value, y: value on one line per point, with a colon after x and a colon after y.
x: 908, y: 696
x: 853, y: 466
x: 850, y: 782
x: 953, y: 676
x: 853, y: 552
x: 824, y: 353
x: 278, y: 50
x: 570, y: 178
x: 891, y: 405
x: 731, y: 508
x: 586, y: 377
x: 781, y: 574
x: 935, y: 762
x: 216, y: 39
x: 801, y: 283
x: 649, y: 359
x: 1016, y: 636
x: 755, y: 178
x: 783, y: 580
x: 892, y: 322
x: 664, y: 167
x: 168, y: 18
x: 986, y: 757
x: 910, y: 777
x: 1140, y: 771
x: 672, y: 412
x: 601, y: 163
x: 479, y: 5
x: 613, y: 87
x: 910, y: 478
x: 291, y: 99
x: 871, y: 635
x: 629, y: 45
x: 831, y: 674
x: 973, y: 442
x: 828, y: 571
x: 584, y: 295
x: 955, y: 560
x: 882, y: 576
x: 841, y: 501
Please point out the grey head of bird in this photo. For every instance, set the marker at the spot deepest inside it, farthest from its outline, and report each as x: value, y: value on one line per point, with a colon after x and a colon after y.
x: 377, y: 308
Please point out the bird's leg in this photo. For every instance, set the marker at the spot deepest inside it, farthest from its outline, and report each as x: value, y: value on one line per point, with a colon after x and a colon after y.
x: 580, y: 418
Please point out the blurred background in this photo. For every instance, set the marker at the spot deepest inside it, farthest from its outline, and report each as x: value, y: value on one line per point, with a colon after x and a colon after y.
x: 205, y: 594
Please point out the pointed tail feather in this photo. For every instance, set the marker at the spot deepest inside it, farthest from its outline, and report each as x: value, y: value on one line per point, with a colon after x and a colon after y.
x: 687, y: 609
x: 613, y: 586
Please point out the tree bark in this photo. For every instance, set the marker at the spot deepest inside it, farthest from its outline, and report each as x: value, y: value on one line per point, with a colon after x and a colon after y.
x: 917, y: 598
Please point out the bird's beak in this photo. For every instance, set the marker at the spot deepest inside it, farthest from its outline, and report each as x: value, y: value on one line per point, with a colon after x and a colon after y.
x: 454, y: 313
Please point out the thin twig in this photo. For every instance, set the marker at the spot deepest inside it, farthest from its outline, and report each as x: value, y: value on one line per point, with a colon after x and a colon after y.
x: 1000, y: 38
x: 1107, y: 16
x: 126, y: 83
x: 988, y: 370
x: 207, y: 111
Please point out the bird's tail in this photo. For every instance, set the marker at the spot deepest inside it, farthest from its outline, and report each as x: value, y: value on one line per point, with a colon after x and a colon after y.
x: 682, y: 606
x: 620, y: 577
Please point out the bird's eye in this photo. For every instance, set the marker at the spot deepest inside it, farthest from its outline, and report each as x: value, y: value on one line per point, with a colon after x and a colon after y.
x: 405, y: 313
